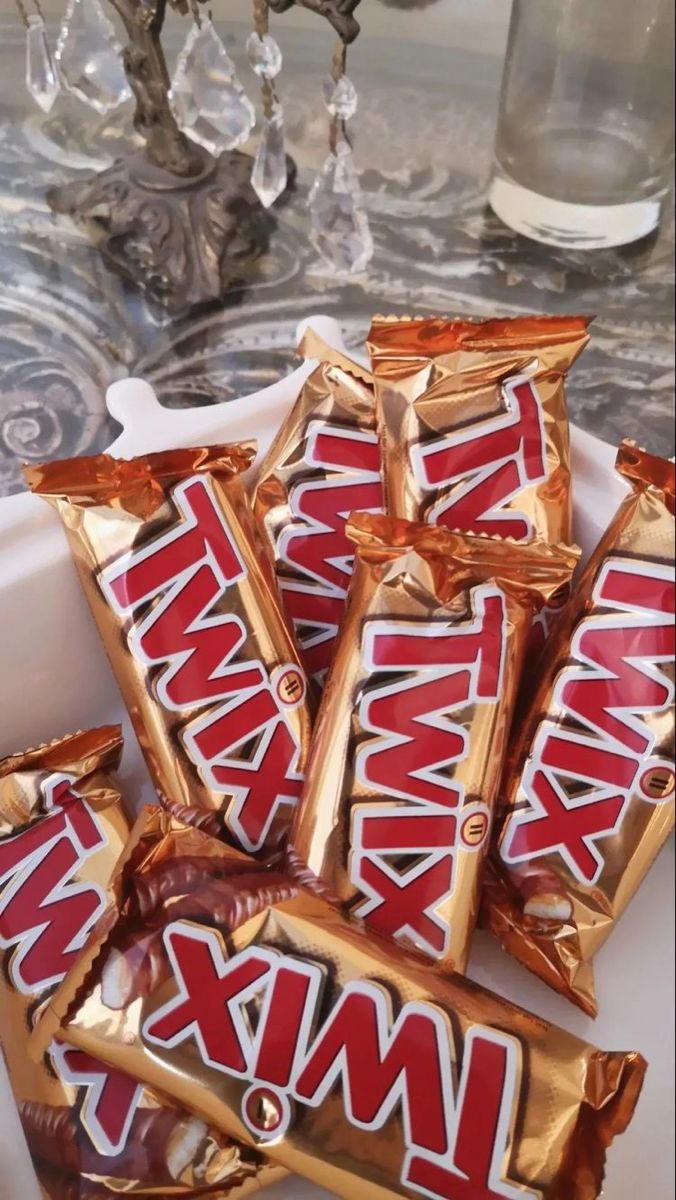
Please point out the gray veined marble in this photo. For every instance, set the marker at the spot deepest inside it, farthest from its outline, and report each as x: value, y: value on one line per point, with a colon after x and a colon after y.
x: 423, y: 141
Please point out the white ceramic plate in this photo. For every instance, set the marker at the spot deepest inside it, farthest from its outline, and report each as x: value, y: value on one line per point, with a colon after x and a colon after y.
x: 54, y: 678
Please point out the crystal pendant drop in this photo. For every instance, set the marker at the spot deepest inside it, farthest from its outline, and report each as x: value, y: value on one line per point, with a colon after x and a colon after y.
x: 42, y: 77
x: 341, y: 97
x: 265, y: 55
x: 339, y: 226
x: 206, y: 94
x: 89, y: 57
x: 270, y: 174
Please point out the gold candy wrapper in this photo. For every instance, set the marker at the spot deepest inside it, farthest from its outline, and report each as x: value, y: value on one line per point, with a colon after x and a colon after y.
x: 261, y: 1008
x: 93, y: 1132
x: 590, y: 780
x: 324, y: 464
x: 185, y: 600
x: 396, y: 813
x: 473, y: 422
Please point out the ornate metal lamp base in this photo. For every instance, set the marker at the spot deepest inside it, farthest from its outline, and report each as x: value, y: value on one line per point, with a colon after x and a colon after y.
x: 184, y: 241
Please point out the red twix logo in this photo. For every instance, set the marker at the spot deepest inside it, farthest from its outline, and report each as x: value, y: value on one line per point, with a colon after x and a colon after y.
x: 110, y: 1098
x: 491, y: 463
x: 43, y: 912
x: 178, y: 579
x: 436, y: 669
x: 457, y: 1133
x: 315, y: 546
x: 46, y: 915
x: 583, y: 774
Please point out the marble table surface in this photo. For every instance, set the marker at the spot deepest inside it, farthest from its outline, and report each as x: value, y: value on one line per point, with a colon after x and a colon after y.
x: 428, y: 76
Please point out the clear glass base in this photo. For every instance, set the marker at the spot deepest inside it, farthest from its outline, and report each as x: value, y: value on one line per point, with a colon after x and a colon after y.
x: 575, y: 226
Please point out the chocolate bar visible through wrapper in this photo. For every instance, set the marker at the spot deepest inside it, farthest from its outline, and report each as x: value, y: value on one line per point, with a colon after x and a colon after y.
x: 589, y: 787
x: 185, y: 600
x: 268, y: 1014
x: 93, y: 1132
x: 396, y: 813
x: 323, y: 464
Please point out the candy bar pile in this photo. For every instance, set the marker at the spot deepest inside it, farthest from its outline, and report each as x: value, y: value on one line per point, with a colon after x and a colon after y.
x: 380, y: 702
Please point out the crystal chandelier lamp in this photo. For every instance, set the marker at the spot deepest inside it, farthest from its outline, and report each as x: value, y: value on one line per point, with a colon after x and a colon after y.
x: 184, y: 217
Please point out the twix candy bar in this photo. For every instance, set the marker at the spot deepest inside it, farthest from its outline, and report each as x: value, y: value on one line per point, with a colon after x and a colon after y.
x: 473, y: 425
x: 396, y: 813
x: 590, y: 780
x: 61, y: 818
x: 92, y: 1131
x: 324, y: 464
x: 184, y: 598
x: 473, y: 421
x: 267, y: 1012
